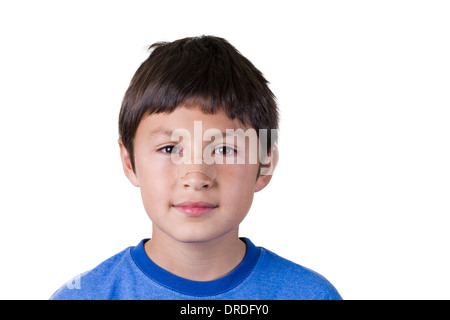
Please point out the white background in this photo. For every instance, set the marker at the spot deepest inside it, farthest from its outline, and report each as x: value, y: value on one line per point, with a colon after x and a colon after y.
x: 362, y: 191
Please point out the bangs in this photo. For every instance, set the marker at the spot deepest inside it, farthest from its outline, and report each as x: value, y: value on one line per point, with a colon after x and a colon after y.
x: 204, y: 72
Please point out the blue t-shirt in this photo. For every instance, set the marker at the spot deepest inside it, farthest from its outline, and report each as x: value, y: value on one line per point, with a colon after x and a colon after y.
x: 262, y: 274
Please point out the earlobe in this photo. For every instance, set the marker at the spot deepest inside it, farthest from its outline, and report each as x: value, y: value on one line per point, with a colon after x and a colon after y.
x: 267, y: 169
x: 126, y: 164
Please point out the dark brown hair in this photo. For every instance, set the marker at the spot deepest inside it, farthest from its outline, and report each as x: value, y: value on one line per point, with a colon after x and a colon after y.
x: 205, y: 72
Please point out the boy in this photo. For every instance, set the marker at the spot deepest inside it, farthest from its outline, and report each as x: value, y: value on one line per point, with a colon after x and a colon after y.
x: 197, y: 133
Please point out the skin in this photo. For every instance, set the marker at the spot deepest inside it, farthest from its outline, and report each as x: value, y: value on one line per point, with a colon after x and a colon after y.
x: 205, y: 247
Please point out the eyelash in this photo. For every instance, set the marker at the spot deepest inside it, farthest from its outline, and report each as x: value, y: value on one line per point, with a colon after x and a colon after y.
x: 233, y: 150
x: 164, y: 149
x: 167, y: 147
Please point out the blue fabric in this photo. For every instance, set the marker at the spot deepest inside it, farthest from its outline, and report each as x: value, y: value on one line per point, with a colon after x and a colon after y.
x: 262, y: 274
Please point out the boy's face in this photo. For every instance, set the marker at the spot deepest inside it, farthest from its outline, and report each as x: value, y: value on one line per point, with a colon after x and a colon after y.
x: 193, y: 202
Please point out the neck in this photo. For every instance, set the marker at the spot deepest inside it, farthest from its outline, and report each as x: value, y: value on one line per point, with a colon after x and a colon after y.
x: 198, y: 261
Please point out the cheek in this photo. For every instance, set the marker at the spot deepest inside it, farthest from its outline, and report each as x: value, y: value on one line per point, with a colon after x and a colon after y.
x: 155, y: 182
x: 237, y: 184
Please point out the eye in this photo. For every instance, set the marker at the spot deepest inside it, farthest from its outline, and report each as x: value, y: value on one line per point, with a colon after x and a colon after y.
x: 224, y: 150
x: 170, y: 149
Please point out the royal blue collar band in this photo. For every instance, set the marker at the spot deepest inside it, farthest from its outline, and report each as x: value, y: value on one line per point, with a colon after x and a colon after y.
x: 196, y: 288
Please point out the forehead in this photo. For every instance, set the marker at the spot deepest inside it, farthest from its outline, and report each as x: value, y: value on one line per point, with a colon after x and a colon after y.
x: 184, y: 118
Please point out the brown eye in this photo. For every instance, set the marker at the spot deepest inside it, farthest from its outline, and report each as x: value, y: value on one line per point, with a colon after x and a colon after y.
x: 224, y: 150
x: 171, y: 149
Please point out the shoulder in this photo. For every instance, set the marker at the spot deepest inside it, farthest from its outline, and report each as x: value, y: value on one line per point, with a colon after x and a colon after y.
x: 293, y: 281
x: 99, y: 282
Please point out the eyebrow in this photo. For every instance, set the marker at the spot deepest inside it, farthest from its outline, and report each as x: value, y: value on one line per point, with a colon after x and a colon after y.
x: 168, y: 132
x: 165, y: 132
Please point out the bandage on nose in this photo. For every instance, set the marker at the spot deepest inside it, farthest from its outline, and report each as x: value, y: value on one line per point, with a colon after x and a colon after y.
x: 207, y: 169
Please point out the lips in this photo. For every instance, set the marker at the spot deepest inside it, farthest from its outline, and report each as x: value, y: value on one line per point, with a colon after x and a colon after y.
x: 195, y: 208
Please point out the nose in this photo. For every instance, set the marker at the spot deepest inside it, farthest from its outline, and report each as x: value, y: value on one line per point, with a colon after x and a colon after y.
x: 196, y: 181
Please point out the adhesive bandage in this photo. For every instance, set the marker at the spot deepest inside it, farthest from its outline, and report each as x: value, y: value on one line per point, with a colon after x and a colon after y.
x: 207, y: 169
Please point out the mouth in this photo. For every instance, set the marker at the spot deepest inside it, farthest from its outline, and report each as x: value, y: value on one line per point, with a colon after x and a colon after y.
x: 195, y: 208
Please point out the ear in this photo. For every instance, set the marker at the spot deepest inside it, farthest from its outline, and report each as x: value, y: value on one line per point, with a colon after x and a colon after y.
x: 267, y: 169
x: 126, y: 164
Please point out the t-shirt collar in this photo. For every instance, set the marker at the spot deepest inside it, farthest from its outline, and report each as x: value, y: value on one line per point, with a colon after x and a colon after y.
x: 196, y: 288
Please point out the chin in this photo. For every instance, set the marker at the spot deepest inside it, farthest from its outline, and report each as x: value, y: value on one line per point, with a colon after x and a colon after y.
x: 196, y: 237
x: 198, y: 234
